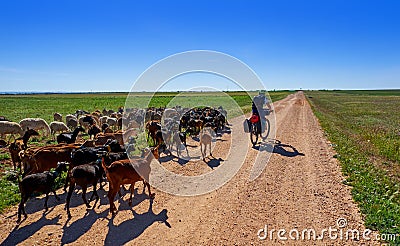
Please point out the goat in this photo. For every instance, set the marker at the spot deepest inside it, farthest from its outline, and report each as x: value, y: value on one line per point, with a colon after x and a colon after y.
x: 84, y: 175
x: 205, y: 139
x: 93, y: 131
x: 152, y: 128
x: 87, y: 155
x: 20, y: 144
x: 45, y: 158
x: 69, y: 137
x: 178, y: 139
x: 124, y: 172
x: 101, y: 139
x: 38, y: 182
x: 105, y: 128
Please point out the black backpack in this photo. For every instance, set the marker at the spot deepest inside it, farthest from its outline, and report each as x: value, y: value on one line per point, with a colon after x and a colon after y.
x: 246, y: 126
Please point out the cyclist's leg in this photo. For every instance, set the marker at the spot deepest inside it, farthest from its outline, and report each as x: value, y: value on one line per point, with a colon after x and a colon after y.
x: 262, y: 120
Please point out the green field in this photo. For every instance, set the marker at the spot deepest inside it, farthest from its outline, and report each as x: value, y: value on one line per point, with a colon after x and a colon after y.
x: 364, y: 127
x: 17, y: 107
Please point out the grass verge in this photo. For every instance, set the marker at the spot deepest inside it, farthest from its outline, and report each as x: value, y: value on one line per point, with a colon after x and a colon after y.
x: 362, y: 127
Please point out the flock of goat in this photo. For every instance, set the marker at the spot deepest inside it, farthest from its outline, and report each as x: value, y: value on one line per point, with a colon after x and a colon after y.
x: 107, y: 152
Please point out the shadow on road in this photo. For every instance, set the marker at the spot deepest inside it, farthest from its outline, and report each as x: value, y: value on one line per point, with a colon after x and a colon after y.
x: 276, y: 146
x: 18, y: 235
x: 212, y: 163
x: 131, y: 229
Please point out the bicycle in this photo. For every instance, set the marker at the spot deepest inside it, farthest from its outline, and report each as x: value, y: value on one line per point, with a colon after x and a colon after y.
x: 255, y: 128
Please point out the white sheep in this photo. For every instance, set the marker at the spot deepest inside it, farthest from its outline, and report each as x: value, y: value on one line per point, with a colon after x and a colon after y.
x: 103, y: 119
x: 57, y: 117
x: 70, y: 116
x: 112, y: 122
x: 35, y: 124
x: 72, y: 123
x: 57, y: 126
x: 8, y: 127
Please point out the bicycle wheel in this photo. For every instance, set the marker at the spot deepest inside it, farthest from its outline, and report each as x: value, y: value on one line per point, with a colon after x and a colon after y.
x: 265, y: 134
x: 254, y: 134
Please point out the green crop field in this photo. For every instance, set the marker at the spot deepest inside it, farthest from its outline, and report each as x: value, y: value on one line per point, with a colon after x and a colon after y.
x: 17, y: 107
x: 364, y: 127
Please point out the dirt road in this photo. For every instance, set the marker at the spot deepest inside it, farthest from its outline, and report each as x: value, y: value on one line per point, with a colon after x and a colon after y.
x: 301, y: 188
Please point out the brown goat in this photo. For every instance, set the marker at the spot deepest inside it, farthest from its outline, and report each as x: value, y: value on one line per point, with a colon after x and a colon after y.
x: 101, y: 138
x: 20, y: 144
x: 35, y: 161
x: 124, y: 172
x: 205, y: 139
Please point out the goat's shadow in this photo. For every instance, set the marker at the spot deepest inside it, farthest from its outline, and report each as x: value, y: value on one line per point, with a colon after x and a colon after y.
x: 36, y: 204
x: 181, y: 161
x: 131, y: 229
x: 226, y: 130
x: 213, y: 163
x: 276, y: 146
x: 20, y: 234
x: 79, y: 227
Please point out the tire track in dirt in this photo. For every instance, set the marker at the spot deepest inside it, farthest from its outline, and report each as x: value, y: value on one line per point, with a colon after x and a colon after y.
x: 297, y: 190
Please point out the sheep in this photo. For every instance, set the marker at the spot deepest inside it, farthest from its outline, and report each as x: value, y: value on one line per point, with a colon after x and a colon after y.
x: 83, y: 176
x: 57, y: 117
x: 103, y: 119
x: 7, y: 127
x: 38, y: 182
x: 124, y: 172
x: 70, y: 116
x: 69, y: 137
x: 57, y: 126
x: 83, y: 123
x: 36, y: 124
x: 205, y: 139
x: 72, y: 123
x: 112, y: 122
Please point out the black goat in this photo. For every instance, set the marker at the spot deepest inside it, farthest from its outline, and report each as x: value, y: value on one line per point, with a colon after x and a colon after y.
x: 88, y: 155
x: 93, y: 130
x: 84, y: 175
x: 39, y: 182
x: 69, y: 137
x: 88, y: 119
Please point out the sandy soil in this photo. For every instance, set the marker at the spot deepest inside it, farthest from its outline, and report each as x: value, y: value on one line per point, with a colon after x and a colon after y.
x: 301, y: 188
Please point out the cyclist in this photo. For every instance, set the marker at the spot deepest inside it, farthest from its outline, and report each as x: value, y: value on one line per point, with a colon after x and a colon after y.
x: 258, y: 108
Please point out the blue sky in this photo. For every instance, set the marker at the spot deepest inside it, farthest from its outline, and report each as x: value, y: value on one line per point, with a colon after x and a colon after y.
x: 106, y: 45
